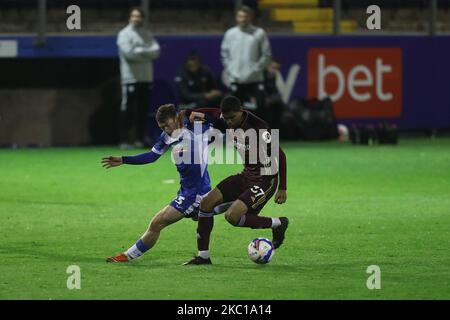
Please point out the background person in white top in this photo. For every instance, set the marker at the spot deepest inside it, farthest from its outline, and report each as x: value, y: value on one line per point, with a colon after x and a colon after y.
x: 245, y: 53
x: 137, y: 50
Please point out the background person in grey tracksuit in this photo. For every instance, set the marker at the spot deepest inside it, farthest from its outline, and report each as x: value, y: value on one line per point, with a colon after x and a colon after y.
x: 137, y: 50
x: 245, y: 53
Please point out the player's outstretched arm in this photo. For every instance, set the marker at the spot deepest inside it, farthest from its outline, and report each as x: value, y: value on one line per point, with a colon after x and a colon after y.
x: 144, y: 158
x: 109, y: 162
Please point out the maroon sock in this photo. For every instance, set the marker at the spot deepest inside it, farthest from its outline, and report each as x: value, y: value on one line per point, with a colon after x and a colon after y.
x: 205, y: 226
x: 255, y: 222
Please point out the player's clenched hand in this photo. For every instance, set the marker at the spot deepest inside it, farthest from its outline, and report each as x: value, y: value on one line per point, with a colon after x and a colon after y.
x: 109, y: 162
x: 196, y: 116
x: 281, y: 196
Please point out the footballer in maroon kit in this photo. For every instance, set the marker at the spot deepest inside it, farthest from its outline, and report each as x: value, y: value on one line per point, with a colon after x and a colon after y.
x: 245, y: 194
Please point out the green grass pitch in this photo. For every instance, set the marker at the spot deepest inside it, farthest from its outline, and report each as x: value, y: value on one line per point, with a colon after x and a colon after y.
x: 349, y: 206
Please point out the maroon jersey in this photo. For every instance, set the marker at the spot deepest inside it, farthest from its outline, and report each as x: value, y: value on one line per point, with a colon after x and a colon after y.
x: 255, y: 154
x: 256, y: 161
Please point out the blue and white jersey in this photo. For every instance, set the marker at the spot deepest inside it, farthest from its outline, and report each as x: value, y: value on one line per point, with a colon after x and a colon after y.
x: 189, y: 153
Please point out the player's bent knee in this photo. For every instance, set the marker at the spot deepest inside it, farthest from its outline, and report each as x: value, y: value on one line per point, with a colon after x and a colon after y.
x: 206, y: 207
x: 230, y: 218
x: 211, y: 200
x: 207, y: 204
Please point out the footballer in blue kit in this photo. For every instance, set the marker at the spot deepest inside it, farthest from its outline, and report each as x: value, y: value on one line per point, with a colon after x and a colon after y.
x: 188, y: 144
x: 194, y: 177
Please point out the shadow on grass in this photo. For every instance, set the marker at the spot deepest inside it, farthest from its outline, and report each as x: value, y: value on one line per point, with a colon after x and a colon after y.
x: 39, y: 251
x: 36, y: 251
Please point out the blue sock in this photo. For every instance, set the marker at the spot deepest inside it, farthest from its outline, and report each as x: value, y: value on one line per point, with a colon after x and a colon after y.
x: 137, y: 250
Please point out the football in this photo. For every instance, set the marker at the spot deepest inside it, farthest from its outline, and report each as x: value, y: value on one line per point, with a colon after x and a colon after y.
x: 261, y: 250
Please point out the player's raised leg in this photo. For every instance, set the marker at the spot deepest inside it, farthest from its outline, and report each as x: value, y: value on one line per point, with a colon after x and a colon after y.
x: 244, y: 211
x: 237, y: 216
x: 162, y: 219
x: 205, y: 226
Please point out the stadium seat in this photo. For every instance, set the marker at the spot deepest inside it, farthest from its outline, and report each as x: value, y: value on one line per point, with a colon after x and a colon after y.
x: 290, y: 3
x: 309, y: 14
x: 324, y: 26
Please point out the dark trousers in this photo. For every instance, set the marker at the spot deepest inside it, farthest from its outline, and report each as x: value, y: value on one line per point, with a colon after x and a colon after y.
x: 252, y: 96
x: 134, y: 112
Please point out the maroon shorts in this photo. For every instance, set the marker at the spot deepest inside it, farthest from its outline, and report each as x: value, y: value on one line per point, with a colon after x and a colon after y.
x: 254, y: 192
